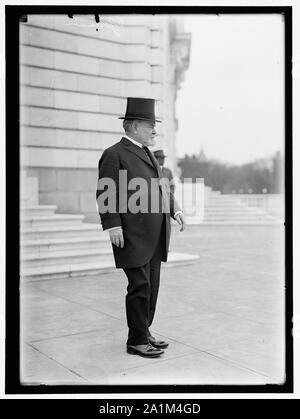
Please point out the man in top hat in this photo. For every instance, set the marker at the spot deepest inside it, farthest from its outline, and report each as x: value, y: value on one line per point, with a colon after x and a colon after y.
x: 139, y: 238
x: 166, y: 172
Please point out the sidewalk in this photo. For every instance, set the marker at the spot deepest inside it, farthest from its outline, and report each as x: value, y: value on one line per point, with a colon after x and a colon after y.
x: 223, y: 317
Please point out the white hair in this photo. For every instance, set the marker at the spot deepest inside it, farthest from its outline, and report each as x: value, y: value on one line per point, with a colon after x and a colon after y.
x: 127, y: 124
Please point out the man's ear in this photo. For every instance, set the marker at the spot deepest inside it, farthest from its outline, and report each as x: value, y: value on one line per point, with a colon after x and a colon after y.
x: 134, y: 126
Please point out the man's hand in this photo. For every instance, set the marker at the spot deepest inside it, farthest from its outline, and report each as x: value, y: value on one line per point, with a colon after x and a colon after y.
x: 181, y: 221
x: 116, y: 237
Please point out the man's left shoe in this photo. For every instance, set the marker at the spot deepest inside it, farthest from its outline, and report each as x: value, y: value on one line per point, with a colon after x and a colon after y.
x: 160, y: 344
x: 147, y: 351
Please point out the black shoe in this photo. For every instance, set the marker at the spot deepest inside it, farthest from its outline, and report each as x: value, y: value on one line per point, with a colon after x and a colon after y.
x: 160, y: 344
x: 147, y: 351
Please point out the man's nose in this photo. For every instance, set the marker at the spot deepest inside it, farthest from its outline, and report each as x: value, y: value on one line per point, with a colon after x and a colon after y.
x: 153, y: 131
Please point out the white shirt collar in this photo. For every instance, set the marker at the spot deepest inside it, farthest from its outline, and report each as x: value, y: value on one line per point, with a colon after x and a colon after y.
x: 133, y: 141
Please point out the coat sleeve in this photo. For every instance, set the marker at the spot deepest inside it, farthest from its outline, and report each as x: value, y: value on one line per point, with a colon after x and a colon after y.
x: 107, y: 197
x: 174, y: 207
x: 168, y: 196
x: 172, y: 183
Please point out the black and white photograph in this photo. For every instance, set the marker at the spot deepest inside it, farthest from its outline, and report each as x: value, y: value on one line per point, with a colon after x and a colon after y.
x: 152, y: 198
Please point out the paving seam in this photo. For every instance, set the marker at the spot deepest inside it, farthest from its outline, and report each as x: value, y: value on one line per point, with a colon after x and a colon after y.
x: 116, y: 318
x: 220, y: 312
x: 65, y: 336
x: 67, y: 277
x: 229, y: 259
x: 236, y: 260
x: 197, y: 350
x: 246, y: 318
x: 79, y: 304
x: 237, y: 365
x: 207, y: 354
x: 157, y: 360
x: 54, y: 360
x: 231, y: 363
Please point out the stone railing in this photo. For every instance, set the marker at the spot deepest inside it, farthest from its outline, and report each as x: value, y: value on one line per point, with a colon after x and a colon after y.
x: 191, y: 197
x: 271, y: 203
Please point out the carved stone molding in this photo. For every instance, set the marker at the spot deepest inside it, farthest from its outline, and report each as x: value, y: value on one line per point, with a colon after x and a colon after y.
x: 180, y: 50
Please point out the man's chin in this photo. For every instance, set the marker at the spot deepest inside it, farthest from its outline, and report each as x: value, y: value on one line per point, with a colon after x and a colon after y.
x: 152, y: 142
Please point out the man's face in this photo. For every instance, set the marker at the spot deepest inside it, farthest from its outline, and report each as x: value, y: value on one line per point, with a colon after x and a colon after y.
x: 160, y: 160
x: 145, y: 132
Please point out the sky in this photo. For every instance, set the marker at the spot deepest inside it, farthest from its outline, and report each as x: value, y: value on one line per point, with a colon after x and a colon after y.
x: 231, y: 102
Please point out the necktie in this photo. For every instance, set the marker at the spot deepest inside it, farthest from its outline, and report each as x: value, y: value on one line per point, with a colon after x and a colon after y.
x: 146, y: 151
x: 152, y: 160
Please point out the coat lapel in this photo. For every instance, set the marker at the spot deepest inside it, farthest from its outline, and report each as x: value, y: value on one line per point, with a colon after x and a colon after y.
x: 136, y: 150
x: 155, y: 164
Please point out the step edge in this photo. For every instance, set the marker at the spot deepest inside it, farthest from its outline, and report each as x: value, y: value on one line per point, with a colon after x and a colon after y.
x: 67, y: 240
x: 65, y: 254
x: 85, y: 267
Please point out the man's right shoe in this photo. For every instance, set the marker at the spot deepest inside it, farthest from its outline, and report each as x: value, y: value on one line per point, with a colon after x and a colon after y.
x: 147, y: 351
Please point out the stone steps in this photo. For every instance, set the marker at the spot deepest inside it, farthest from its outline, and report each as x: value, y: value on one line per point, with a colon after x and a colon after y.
x: 39, y: 210
x: 198, y: 221
x: 230, y: 210
x: 97, y: 268
x: 222, y: 199
x: 242, y: 215
x: 62, y: 244
x: 55, y: 232
x: 56, y: 220
x: 66, y: 257
x: 50, y: 220
x: 226, y: 204
x: 223, y: 209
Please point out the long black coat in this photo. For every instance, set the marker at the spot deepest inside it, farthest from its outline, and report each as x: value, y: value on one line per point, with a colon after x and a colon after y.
x: 167, y: 173
x: 141, y: 230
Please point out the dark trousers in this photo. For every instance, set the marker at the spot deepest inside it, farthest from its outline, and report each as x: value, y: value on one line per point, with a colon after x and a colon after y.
x: 142, y: 291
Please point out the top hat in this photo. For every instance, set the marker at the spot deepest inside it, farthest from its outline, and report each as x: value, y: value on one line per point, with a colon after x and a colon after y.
x: 140, y: 108
x: 159, y: 153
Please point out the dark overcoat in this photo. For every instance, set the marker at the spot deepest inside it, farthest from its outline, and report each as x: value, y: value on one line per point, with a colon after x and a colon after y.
x: 141, y: 230
x: 167, y: 173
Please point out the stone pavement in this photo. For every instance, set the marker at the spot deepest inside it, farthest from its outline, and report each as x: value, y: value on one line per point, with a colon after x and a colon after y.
x: 223, y: 317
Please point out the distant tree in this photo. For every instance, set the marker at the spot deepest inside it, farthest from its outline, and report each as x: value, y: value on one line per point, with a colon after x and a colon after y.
x: 278, y: 173
x: 251, y: 177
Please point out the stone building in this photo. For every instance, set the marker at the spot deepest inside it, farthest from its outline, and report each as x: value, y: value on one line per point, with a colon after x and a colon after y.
x: 75, y: 77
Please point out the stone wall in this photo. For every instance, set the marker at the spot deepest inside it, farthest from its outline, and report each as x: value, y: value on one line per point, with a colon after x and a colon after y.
x: 74, y: 83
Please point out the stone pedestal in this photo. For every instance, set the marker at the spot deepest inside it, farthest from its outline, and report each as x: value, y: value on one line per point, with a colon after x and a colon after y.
x: 29, y: 189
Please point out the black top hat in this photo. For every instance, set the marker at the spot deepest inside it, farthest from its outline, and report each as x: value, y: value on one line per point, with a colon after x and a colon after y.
x: 159, y: 153
x: 140, y: 108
